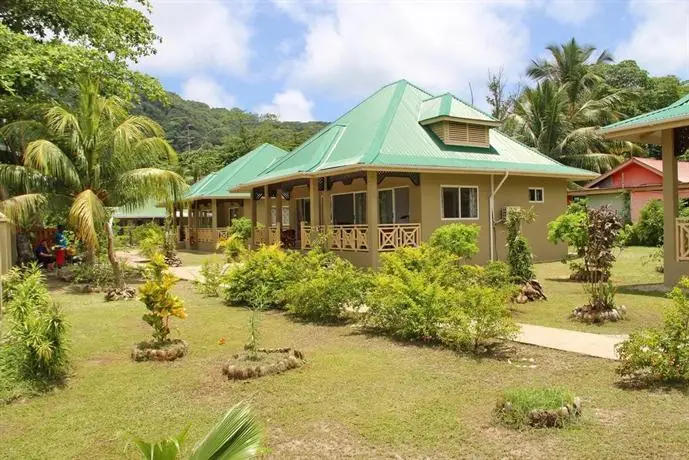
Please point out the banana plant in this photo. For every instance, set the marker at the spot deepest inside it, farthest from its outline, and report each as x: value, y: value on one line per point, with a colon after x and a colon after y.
x: 237, y: 436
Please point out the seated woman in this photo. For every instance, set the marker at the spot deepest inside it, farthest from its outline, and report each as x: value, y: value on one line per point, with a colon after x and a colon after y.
x: 43, y: 255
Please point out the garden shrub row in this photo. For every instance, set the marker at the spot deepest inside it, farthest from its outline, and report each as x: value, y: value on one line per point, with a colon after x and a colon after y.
x: 426, y: 293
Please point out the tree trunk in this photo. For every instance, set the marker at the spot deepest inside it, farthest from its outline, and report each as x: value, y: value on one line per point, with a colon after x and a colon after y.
x: 119, y: 282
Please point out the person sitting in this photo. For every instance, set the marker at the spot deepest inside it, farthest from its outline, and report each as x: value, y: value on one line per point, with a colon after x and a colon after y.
x: 43, y: 255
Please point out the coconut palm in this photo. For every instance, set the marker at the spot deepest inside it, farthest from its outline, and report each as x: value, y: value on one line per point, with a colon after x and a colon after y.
x: 237, y: 436
x: 571, y: 65
x: 94, y: 157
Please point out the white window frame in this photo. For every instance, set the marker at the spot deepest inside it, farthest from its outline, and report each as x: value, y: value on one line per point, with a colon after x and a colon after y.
x: 332, y: 208
x: 542, y: 200
x: 459, y: 187
x: 394, y: 203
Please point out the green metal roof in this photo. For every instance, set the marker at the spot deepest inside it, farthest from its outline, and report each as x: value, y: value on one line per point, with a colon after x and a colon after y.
x: 447, y: 105
x: 384, y: 130
x: 676, y: 110
x: 243, y: 169
x: 149, y: 211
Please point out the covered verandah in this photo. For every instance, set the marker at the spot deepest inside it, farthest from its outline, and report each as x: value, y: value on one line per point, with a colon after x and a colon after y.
x: 360, y: 213
x: 668, y: 128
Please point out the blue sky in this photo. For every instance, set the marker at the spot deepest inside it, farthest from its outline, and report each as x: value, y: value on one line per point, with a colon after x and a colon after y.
x: 315, y: 59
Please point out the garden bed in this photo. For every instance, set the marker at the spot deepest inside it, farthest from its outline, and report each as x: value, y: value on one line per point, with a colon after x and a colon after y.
x: 157, y: 351
x: 538, y: 408
x: 262, y: 362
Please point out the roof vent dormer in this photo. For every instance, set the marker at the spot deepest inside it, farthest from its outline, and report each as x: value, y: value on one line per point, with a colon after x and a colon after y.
x: 455, y: 122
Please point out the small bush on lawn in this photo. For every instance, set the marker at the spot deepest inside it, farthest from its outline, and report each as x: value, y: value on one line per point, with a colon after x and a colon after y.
x: 480, y: 320
x: 459, y: 240
x: 267, y: 266
x: 327, y: 291
x: 100, y: 275
x: 648, y: 230
x: 519, y: 257
x: 496, y: 274
x: 241, y: 227
x: 517, y: 407
x: 211, y: 278
x: 33, y: 349
x: 162, y: 305
x: 661, y: 354
x: 570, y: 228
x: 233, y: 247
x: 151, y: 241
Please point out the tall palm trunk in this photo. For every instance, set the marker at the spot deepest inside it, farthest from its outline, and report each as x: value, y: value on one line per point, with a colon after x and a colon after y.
x: 117, y: 275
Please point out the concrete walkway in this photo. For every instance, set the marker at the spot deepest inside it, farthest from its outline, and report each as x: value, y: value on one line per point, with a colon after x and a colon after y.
x: 189, y: 273
x: 584, y: 343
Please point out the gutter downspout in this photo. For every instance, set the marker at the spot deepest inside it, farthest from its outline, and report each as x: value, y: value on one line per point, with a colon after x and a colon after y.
x: 491, y: 213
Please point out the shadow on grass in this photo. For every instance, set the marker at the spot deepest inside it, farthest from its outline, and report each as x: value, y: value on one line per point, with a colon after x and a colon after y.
x: 650, y: 290
x: 652, y: 386
x: 562, y: 279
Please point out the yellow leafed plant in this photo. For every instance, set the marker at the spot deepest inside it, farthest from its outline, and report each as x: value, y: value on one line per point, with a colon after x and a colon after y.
x: 160, y: 302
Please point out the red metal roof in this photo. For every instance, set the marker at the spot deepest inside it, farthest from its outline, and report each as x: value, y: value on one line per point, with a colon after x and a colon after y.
x: 682, y: 167
x: 650, y: 164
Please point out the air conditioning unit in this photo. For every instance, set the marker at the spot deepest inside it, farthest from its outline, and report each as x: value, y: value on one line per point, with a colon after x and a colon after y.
x: 504, y: 212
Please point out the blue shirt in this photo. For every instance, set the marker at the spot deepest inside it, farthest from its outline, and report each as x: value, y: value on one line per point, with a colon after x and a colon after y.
x: 61, y: 239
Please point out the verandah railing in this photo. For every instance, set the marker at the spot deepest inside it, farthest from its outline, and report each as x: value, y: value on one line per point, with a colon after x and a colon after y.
x: 355, y: 237
x: 682, y: 237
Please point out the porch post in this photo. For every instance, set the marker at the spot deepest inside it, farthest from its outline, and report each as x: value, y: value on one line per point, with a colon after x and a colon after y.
x: 313, y: 202
x: 187, y: 239
x: 372, y: 215
x: 672, y: 270
x: 214, y: 210
x: 266, y: 216
x: 278, y: 208
x: 325, y: 218
x: 253, y: 220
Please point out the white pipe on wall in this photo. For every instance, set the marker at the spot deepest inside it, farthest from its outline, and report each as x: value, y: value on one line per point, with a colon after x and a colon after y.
x: 491, y: 213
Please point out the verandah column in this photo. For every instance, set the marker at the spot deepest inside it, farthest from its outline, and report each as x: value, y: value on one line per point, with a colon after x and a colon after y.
x: 187, y: 239
x: 278, y: 208
x: 266, y: 216
x: 372, y: 215
x: 670, y: 207
x: 313, y: 202
x: 253, y: 219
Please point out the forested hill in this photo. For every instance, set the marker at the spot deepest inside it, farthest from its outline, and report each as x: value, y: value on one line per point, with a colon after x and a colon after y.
x: 208, y: 138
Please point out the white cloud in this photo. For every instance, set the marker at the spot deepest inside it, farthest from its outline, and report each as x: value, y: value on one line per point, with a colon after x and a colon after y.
x: 355, y: 47
x: 574, y: 12
x: 204, y: 89
x: 660, y: 39
x: 290, y: 105
x: 207, y: 35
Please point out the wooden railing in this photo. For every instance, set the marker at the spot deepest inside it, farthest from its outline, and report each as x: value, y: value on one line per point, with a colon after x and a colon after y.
x: 274, y: 234
x: 393, y: 236
x: 355, y: 237
x: 682, y: 236
x: 259, y: 236
x: 207, y: 235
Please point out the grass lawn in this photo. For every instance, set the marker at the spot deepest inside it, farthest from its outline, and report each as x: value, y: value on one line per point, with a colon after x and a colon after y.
x: 644, y: 308
x: 358, y: 396
x: 189, y: 257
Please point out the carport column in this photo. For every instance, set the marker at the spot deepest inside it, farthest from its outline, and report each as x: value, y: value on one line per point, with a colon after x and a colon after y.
x: 253, y: 219
x: 313, y: 202
x: 372, y: 215
x: 670, y: 206
x: 187, y: 239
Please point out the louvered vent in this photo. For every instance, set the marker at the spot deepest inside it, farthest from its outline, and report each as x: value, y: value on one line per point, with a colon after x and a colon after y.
x: 455, y: 133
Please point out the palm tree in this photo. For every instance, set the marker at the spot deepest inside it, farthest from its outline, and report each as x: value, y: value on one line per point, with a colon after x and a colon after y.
x: 237, y: 436
x: 571, y: 65
x: 94, y: 157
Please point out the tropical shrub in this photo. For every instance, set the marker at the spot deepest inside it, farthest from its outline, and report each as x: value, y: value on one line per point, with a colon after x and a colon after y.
x: 241, y: 227
x: 100, y: 274
x: 661, y: 354
x: 161, y: 304
x: 648, y: 230
x: 460, y: 240
x: 269, y: 267
x: 570, y: 227
x: 211, y: 278
x: 33, y: 348
x: 480, y: 319
x: 522, y: 407
x: 497, y: 274
x: 150, y: 239
x: 237, y: 436
x: 327, y: 291
x: 519, y: 257
x: 233, y: 247
x: 603, y: 226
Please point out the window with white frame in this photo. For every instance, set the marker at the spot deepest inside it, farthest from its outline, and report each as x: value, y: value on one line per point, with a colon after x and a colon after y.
x: 536, y: 195
x: 459, y: 202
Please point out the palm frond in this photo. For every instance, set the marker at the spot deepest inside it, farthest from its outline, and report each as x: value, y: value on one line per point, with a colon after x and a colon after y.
x: 19, y: 133
x: 21, y: 178
x: 134, y: 129
x: 64, y: 123
x: 21, y: 208
x: 86, y: 214
x: 47, y: 158
x: 154, y: 149
x: 593, y: 161
x: 236, y: 437
x: 165, y: 449
x: 137, y: 186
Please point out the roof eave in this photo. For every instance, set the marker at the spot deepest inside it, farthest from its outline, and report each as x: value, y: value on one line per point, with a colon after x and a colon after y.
x: 641, y: 128
x: 490, y: 123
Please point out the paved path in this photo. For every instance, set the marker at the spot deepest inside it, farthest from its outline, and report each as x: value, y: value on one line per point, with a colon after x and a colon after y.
x: 584, y: 343
x: 189, y: 273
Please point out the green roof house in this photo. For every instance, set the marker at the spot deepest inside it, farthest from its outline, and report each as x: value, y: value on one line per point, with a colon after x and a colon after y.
x: 402, y: 163
x: 211, y: 205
